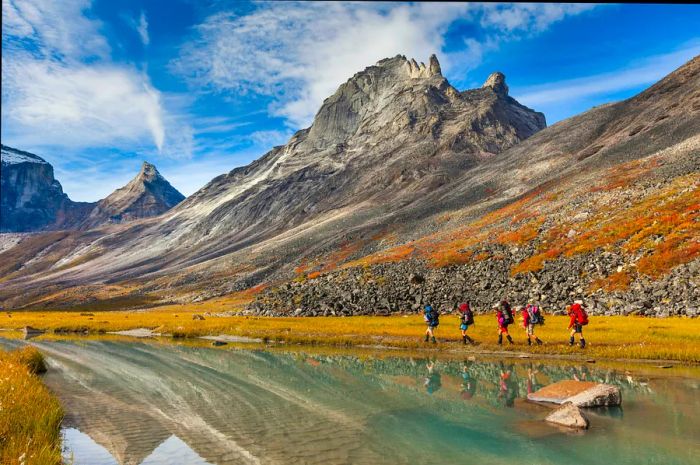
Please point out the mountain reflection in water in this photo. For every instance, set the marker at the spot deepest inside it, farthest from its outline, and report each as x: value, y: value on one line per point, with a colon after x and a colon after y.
x: 150, y: 403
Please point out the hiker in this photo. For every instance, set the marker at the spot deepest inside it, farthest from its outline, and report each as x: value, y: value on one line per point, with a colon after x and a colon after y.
x: 466, y: 318
x: 468, y: 386
x: 578, y: 319
x: 432, y: 319
x: 531, y: 316
x: 433, y: 381
x: 504, y: 316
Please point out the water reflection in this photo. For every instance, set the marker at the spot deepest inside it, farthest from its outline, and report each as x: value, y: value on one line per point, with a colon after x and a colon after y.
x: 146, y: 403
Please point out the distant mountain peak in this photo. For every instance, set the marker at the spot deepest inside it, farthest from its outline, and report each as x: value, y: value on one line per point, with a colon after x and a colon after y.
x: 147, y: 194
x: 10, y: 156
x: 497, y: 82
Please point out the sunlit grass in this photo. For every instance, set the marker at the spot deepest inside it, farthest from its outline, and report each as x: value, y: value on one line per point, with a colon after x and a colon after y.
x: 608, y: 337
x: 30, y: 416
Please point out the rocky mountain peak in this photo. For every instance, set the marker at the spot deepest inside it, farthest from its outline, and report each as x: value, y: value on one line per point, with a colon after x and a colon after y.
x: 148, y: 194
x: 10, y: 156
x: 148, y: 172
x: 497, y: 82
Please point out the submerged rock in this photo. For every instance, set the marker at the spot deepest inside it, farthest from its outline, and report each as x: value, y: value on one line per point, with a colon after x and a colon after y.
x: 579, y: 393
x: 568, y: 415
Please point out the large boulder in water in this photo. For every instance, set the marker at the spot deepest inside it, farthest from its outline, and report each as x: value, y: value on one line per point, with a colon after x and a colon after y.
x: 579, y: 393
x: 568, y: 415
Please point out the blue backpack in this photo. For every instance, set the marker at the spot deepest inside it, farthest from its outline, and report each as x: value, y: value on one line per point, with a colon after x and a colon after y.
x: 432, y: 316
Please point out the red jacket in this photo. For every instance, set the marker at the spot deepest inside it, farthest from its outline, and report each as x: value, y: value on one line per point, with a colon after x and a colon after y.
x: 574, y: 313
x: 526, y: 317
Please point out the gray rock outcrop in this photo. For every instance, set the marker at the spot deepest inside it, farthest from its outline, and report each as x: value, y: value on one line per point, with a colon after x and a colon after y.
x: 568, y: 415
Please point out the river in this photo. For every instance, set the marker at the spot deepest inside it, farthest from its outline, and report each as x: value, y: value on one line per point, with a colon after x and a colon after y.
x: 152, y: 403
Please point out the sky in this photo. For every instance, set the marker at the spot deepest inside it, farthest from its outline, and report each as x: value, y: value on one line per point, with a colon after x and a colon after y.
x: 199, y: 87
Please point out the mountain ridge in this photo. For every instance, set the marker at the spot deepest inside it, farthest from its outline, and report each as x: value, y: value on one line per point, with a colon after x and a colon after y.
x: 33, y: 200
x: 415, y: 158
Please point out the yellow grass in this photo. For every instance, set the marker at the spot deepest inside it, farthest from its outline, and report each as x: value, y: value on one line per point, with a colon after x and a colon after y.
x: 30, y: 416
x: 608, y: 337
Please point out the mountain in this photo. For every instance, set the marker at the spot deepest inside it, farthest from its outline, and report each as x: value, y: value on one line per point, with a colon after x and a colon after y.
x: 33, y: 200
x: 148, y: 194
x: 406, y: 190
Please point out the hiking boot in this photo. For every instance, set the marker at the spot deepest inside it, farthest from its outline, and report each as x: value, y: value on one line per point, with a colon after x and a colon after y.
x: 464, y: 340
x: 510, y: 339
x: 529, y: 342
x: 471, y: 341
x: 537, y: 340
x: 434, y: 341
x: 500, y: 339
x: 571, y: 341
x: 582, y: 343
x: 427, y: 338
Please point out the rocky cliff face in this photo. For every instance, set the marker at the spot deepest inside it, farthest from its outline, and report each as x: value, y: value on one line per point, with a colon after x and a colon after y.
x: 390, y: 134
x: 31, y: 198
x: 148, y: 194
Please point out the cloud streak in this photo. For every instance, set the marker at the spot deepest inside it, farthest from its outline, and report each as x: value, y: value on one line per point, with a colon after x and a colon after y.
x: 646, y: 73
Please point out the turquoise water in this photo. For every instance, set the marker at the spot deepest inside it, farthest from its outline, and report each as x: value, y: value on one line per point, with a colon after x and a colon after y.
x: 157, y: 404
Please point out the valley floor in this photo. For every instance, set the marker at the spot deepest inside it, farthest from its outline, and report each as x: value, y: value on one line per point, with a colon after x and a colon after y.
x: 613, y: 337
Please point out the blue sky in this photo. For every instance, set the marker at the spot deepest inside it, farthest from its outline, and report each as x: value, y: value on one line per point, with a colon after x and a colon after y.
x: 200, y: 87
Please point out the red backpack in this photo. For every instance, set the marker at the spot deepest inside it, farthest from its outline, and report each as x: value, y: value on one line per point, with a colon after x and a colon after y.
x: 581, y: 315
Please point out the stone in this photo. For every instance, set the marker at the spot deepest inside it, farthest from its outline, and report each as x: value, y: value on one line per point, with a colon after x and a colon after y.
x: 568, y: 415
x: 497, y: 82
x: 579, y: 393
x: 198, y: 317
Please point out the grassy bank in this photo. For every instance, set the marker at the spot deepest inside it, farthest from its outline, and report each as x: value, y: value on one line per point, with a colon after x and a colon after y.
x: 607, y: 337
x: 30, y: 416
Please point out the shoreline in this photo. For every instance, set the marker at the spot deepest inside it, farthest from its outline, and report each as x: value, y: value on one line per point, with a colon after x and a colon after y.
x: 617, y: 338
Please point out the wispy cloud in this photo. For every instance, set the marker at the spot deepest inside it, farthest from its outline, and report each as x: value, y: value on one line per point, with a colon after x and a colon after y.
x: 645, y: 73
x: 142, y: 29
x: 61, y: 88
x: 299, y: 53
x: 80, y: 106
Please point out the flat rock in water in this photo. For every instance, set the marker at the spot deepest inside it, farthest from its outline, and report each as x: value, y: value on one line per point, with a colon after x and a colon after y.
x: 568, y: 415
x: 579, y: 393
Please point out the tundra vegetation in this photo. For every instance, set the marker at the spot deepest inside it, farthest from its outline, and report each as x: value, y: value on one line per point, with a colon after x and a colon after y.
x: 612, y: 337
x: 30, y: 415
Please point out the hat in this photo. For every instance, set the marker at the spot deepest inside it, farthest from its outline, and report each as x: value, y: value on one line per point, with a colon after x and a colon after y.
x: 463, y: 306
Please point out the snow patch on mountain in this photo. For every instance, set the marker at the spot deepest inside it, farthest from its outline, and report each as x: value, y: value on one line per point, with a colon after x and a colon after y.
x: 10, y: 156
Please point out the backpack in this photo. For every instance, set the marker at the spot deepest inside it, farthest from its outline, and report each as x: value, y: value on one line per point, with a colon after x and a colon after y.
x: 507, y: 313
x: 434, y: 317
x: 468, y: 317
x: 535, y: 315
x: 581, y: 315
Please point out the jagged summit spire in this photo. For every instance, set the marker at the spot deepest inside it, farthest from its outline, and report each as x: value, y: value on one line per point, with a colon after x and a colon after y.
x: 497, y: 82
x: 433, y: 68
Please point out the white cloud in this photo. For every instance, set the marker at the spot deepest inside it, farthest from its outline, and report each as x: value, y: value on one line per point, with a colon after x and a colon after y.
x: 648, y: 72
x: 54, y: 28
x: 528, y: 17
x: 79, y: 105
x: 142, y: 29
x: 61, y: 88
x: 299, y: 53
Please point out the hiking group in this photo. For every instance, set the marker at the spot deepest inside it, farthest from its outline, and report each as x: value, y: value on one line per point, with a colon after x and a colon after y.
x: 531, y: 316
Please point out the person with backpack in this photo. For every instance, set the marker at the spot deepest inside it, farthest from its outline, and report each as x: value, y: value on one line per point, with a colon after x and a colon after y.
x: 531, y: 316
x: 466, y: 318
x: 504, y: 316
x: 432, y: 320
x: 578, y: 318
